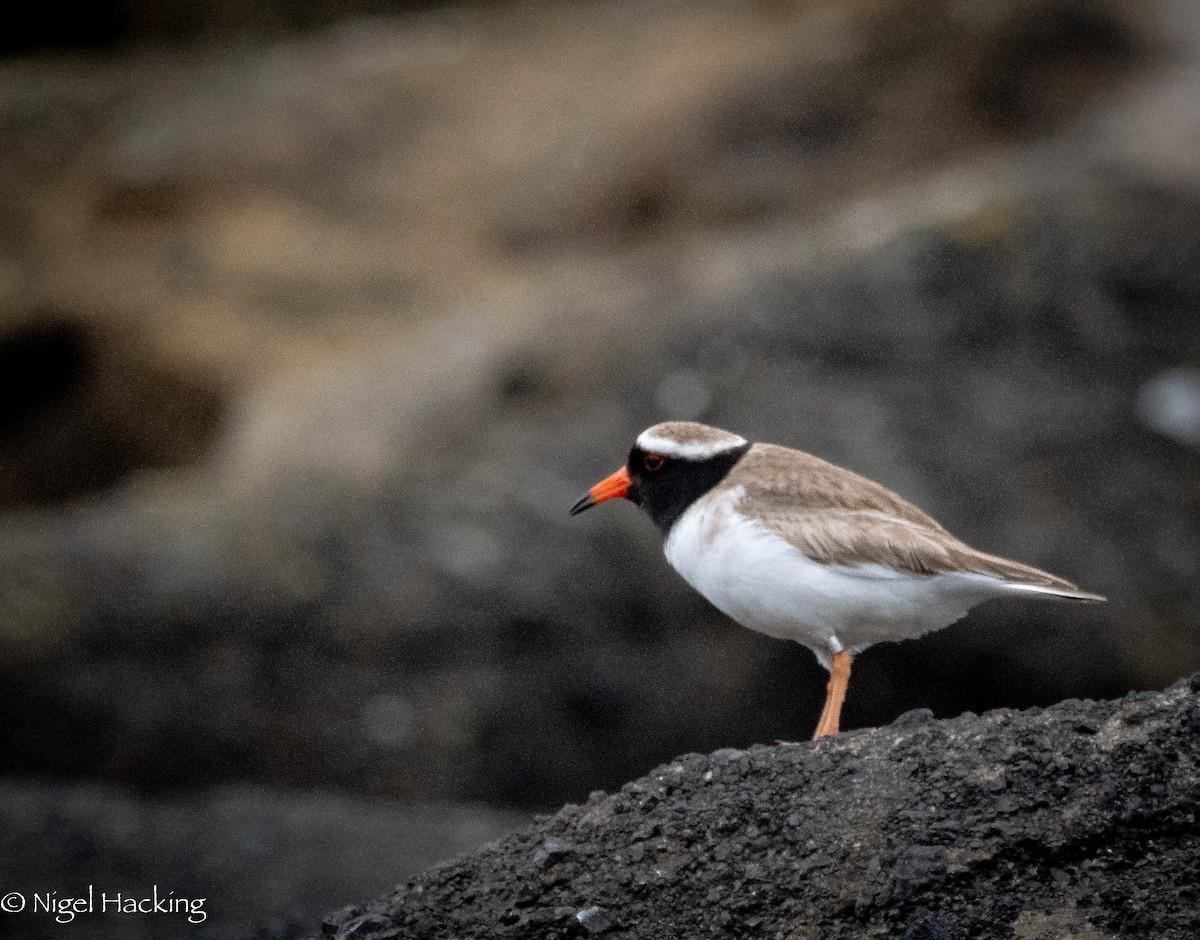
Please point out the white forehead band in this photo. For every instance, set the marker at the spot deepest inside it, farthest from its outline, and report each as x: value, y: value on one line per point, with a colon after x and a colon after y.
x: 697, y: 450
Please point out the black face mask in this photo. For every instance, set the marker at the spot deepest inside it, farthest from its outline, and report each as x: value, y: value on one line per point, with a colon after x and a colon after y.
x: 665, y: 489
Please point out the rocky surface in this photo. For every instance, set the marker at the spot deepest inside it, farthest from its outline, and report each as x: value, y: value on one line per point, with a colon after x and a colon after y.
x: 1076, y: 821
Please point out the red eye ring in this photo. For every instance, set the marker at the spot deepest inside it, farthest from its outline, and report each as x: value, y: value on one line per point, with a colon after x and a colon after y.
x: 653, y: 462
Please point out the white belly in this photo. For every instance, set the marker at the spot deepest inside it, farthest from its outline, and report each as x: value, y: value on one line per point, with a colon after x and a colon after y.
x: 762, y: 582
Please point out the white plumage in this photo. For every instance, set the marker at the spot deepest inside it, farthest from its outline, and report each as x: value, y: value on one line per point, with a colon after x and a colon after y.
x: 760, y: 580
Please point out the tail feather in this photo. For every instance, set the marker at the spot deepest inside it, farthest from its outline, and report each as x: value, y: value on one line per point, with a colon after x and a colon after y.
x: 1031, y: 580
x: 1062, y: 593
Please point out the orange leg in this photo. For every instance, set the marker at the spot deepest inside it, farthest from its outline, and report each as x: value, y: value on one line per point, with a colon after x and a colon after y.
x: 835, y: 695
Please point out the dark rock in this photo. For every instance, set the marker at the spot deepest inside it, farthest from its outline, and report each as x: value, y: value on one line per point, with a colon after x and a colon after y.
x: 552, y: 849
x: 912, y: 844
x: 914, y: 717
x: 925, y: 927
x: 918, y: 867
x: 595, y: 919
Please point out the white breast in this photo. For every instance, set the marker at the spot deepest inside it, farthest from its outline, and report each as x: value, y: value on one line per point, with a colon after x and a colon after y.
x: 757, y: 578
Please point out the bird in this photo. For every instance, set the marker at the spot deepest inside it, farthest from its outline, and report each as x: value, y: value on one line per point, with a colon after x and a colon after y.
x: 793, y: 546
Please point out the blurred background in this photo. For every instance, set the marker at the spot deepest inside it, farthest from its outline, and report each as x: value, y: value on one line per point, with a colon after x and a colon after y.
x: 315, y: 318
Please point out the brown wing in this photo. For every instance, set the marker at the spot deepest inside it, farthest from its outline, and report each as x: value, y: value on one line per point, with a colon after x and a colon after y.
x: 779, y: 480
x: 837, y: 517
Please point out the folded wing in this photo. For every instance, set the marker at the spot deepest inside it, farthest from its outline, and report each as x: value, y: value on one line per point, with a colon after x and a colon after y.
x: 837, y: 517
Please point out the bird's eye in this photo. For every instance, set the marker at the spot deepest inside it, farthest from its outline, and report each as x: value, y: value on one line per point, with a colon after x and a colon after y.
x: 653, y: 462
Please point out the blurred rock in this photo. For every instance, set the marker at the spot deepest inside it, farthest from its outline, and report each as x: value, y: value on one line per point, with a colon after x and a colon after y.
x: 265, y: 862
x: 375, y: 305
x: 80, y: 411
x: 127, y: 23
x: 1169, y: 403
x: 451, y: 631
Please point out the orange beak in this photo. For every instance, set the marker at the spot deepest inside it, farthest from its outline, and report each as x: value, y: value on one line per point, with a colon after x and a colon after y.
x: 610, y: 487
